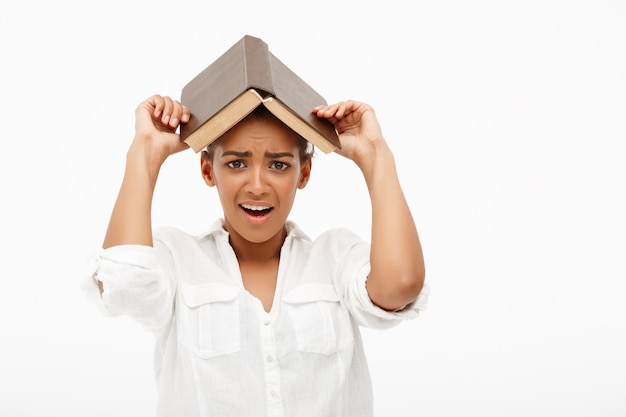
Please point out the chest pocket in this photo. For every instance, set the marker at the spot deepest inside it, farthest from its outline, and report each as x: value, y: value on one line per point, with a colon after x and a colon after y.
x: 321, y: 324
x: 208, y: 319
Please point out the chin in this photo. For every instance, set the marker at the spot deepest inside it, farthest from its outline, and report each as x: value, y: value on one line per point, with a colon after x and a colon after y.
x: 257, y: 234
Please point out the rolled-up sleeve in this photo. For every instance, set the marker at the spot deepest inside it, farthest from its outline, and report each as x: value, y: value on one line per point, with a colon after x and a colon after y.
x: 351, y: 256
x: 370, y: 315
x: 134, y: 284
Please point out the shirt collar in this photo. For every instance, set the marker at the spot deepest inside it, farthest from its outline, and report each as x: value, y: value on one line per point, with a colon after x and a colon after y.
x: 217, y: 230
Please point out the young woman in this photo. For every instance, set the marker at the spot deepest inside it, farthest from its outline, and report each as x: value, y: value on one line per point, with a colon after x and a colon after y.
x: 253, y: 318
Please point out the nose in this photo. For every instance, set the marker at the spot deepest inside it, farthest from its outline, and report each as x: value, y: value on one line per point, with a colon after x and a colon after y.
x: 257, y: 182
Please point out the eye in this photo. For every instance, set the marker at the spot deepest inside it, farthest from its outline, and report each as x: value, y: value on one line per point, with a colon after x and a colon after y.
x: 279, y: 165
x: 237, y: 164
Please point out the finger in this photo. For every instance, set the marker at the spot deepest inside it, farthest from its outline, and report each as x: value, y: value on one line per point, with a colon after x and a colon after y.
x: 338, y: 110
x: 168, y: 105
x: 327, y: 112
x: 328, y: 115
x: 346, y: 108
x: 341, y: 110
x: 180, y: 113
x: 177, y: 111
x: 186, y: 115
x: 157, y: 102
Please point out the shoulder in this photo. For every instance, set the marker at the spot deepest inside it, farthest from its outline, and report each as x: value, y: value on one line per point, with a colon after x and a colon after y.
x: 339, y: 237
x: 339, y: 245
x: 168, y: 233
x: 173, y: 237
x: 336, y: 236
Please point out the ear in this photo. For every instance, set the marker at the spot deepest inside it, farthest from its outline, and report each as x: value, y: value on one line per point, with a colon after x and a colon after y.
x: 207, y: 169
x: 305, y: 174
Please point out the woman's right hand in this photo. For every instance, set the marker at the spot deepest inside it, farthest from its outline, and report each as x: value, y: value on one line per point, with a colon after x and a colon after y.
x: 156, y: 122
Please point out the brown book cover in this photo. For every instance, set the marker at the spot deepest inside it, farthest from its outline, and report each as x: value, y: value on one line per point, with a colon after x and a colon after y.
x: 244, y: 77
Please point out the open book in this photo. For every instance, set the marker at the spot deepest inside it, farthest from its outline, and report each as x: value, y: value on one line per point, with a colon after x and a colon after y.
x: 245, y: 76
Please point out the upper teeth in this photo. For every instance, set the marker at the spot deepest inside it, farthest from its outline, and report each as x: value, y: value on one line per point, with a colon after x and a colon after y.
x: 255, y: 208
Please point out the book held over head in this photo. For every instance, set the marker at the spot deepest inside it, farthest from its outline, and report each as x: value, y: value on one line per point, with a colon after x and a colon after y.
x: 246, y: 76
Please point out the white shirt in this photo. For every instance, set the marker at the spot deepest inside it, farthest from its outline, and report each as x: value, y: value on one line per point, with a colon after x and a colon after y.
x: 219, y: 353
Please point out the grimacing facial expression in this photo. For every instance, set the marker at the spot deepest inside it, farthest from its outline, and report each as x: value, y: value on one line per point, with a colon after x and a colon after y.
x: 257, y: 169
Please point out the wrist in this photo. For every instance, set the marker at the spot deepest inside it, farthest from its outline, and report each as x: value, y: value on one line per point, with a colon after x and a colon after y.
x: 141, y: 159
x: 377, y: 158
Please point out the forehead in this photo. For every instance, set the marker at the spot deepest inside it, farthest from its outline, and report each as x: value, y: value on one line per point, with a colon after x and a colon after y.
x: 258, y: 134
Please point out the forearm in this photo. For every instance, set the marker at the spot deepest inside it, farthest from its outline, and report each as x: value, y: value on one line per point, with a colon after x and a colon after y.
x: 397, y: 265
x: 131, y: 219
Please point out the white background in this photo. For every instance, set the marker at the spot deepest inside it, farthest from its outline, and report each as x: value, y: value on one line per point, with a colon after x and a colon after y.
x: 508, y: 124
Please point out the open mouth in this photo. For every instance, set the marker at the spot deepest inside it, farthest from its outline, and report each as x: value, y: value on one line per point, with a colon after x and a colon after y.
x: 256, y: 211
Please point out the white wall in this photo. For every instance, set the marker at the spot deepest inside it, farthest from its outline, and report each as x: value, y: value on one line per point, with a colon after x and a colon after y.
x: 508, y: 123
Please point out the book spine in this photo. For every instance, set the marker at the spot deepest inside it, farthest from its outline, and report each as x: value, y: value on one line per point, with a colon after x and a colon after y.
x: 258, y: 66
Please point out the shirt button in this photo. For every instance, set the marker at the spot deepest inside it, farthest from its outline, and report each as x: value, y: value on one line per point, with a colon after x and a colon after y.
x: 267, y: 322
x: 273, y: 393
x: 269, y: 358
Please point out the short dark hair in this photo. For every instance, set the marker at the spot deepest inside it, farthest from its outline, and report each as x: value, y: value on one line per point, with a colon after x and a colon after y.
x: 261, y: 112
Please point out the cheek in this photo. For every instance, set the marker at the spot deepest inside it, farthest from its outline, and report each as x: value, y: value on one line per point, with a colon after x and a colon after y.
x: 287, y: 188
x: 226, y: 187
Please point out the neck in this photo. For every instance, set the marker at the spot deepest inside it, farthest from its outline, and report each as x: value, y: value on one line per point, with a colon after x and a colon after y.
x: 257, y: 251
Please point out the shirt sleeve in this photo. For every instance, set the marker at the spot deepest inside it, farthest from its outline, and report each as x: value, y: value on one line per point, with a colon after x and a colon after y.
x: 134, y: 284
x: 353, y: 267
x: 376, y: 317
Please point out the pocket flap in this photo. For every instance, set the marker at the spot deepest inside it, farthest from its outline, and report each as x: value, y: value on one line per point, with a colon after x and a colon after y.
x: 195, y: 295
x: 308, y: 293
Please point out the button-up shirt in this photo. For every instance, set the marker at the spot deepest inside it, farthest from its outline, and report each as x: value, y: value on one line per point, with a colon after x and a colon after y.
x: 219, y: 353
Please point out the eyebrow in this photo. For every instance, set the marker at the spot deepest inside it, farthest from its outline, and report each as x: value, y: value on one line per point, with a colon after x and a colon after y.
x: 247, y: 154
x: 276, y: 155
x: 237, y: 154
